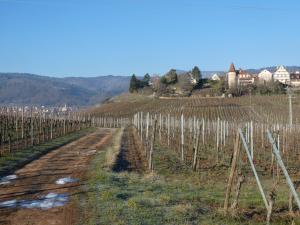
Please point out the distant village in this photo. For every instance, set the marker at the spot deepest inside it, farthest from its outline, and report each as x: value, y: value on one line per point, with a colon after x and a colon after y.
x: 39, y: 110
x: 235, y: 82
x: 241, y: 77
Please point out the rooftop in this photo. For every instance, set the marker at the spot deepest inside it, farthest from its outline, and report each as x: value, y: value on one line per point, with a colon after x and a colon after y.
x: 232, y: 68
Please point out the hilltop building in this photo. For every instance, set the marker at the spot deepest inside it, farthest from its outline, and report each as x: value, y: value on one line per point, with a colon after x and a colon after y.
x: 238, y: 77
x: 282, y: 75
x: 215, y: 77
x: 192, y: 79
x: 244, y: 78
x: 295, y: 79
x: 232, y: 77
x: 265, y: 76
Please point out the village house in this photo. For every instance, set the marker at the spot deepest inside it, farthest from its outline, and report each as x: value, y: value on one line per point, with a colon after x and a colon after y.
x: 215, y: 77
x: 295, y: 79
x: 192, y: 79
x: 282, y: 75
x: 265, y: 76
x: 245, y: 78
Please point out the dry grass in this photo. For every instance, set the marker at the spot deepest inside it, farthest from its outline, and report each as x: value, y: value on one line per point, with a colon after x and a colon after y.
x: 113, y: 150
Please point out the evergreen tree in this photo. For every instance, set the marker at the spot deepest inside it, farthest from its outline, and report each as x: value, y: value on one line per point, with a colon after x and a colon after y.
x: 146, y: 79
x: 197, y: 75
x: 134, y: 83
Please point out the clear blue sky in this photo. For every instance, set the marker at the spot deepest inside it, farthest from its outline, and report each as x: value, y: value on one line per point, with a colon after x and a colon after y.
x: 121, y: 37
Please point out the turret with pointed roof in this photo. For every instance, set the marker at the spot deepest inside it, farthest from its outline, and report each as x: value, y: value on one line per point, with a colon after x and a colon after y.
x: 232, y: 77
x: 232, y: 68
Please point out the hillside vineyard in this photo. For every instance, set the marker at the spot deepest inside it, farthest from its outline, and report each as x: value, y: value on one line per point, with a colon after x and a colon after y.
x: 205, y: 134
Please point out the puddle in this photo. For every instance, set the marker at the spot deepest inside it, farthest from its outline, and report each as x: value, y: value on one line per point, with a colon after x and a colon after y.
x: 8, y: 179
x: 49, y: 201
x: 66, y: 180
x: 8, y: 204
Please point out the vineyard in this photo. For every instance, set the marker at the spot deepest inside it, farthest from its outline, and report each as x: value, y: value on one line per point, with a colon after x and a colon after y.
x: 234, y: 160
x: 20, y: 129
x: 267, y: 109
x: 233, y: 141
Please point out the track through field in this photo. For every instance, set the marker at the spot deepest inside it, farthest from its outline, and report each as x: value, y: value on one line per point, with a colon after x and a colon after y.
x: 38, y: 179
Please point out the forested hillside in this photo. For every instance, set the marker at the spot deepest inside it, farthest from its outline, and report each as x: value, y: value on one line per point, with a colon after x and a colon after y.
x: 20, y: 88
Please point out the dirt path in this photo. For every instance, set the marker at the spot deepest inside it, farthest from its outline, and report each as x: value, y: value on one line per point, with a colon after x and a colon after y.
x: 130, y: 157
x: 37, y: 181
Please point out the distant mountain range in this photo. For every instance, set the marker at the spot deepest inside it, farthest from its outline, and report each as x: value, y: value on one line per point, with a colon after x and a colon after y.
x: 30, y: 89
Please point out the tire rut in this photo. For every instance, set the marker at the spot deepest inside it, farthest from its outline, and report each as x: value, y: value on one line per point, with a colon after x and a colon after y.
x: 130, y: 157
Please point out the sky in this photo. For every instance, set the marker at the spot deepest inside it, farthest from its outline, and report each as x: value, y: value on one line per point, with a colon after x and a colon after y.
x: 121, y: 37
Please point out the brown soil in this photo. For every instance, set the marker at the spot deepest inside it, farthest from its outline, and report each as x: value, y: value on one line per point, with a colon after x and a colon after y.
x: 131, y: 157
x: 38, y: 179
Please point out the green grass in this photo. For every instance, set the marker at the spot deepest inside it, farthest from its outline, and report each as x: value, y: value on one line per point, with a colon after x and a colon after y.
x: 172, y: 195
x: 130, y: 97
x: 17, y: 159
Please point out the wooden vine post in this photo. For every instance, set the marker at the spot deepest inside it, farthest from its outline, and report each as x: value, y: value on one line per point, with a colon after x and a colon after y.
x: 182, y: 136
x: 147, y: 132
x: 235, y: 158
x: 151, y: 168
x: 196, y: 149
x: 240, y: 181
x: 168, y: 122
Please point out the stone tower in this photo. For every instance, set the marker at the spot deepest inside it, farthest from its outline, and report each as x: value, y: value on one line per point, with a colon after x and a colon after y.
x: 232, y: 77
